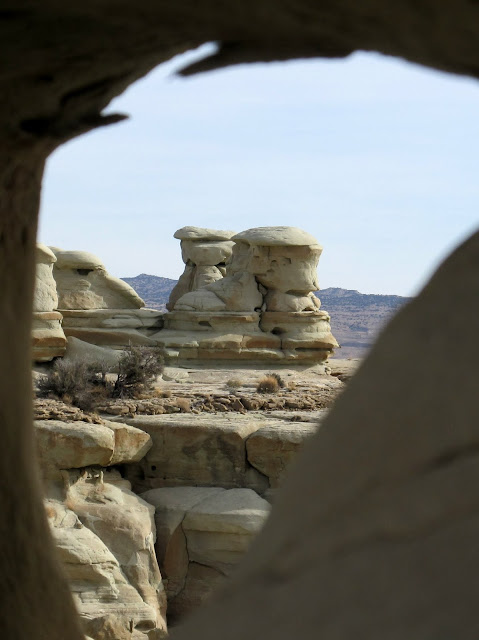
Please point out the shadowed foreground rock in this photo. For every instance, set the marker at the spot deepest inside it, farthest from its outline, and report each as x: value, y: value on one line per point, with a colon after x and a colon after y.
x: 374, y: 534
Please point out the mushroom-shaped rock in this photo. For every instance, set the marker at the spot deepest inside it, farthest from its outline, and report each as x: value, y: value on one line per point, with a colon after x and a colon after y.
x: 276, y: 237
x: 199, y: 233
x: 84, y: 283
x: 48, y: 338
x: 282, y: 259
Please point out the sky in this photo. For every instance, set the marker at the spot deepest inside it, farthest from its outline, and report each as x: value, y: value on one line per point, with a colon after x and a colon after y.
x: 375, y: 157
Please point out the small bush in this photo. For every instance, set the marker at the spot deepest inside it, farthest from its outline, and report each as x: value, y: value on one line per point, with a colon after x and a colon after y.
x: 138, y: 369
x: 75, y: 382
x: 234, y: 383
x: 183, y: 404
x: 279, y: 379
x: 268, y: 384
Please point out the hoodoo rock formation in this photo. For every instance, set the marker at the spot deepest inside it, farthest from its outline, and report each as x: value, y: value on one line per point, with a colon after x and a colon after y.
x: 245, y: 297
x: 48, y: 339
x: 97, y: 307
x: 263, y: 309
x: 205, y: 253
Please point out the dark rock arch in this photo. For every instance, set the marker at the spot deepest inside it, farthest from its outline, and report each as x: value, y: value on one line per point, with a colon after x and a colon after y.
x: 396, y: 472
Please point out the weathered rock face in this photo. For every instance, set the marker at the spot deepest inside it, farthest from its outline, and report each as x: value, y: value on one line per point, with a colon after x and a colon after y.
x: 103, y: 532
x: 205, y: 253
x: 239, y: 451
x: 97, y: 307
x: 263, y: 309
x: 202, y: 535
x: 48, y: 338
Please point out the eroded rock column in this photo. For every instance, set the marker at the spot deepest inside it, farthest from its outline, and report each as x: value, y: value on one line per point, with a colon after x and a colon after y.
x: 262, y: 311
x: 47, y: 334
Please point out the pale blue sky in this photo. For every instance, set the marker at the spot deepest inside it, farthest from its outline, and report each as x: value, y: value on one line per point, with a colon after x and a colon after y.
x: 375, y: 157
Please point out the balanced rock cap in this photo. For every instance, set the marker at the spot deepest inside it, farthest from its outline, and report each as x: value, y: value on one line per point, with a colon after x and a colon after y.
x: 276, y: 236
x: 198, y: 233
x: 44, y: 254
x: 78, y: 260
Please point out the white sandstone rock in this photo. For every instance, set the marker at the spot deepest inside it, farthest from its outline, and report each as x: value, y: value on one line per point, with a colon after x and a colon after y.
x: 48, y: 338
x: 202, y: 535
x: 84, y: 283
x: 91, y: 353
x: 199, y: 233
x: 45, y: 297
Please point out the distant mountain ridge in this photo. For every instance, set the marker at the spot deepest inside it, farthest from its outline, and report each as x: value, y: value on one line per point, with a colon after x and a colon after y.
x: 154, y: 290
x: 356, y: 318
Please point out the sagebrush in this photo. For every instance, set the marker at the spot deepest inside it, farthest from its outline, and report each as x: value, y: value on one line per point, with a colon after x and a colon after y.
x: 268, y: 384
x: 84, y: 384
x: 75, y: 382
x: 138, y: 369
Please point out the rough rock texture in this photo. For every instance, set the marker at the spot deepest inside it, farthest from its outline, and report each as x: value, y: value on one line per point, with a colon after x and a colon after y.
x: 195, y: 450
x: 205, y: 253
x: 48, y: 338
x: 97, y: 307
x: 74, y: 445
x: 216, y: 451
x: 263, y: 309
x: 84, y: 283
x: 272, y: 448
x: 103, y: 532
x: 79, y: 349
x: 202, y: 535
x: 70, y: 60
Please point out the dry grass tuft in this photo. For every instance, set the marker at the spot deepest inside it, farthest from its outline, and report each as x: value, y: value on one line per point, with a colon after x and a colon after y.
x: 268, y: 384
x: 183, y: 404
x: 234, y: 383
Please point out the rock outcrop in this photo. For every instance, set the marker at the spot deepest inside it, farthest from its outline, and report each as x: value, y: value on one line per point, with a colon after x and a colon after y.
x: 263, y: 309
x: 202, y: 533
x: 104, y: 533
x: 48, y: 339
x: 238, y: 451
x: 97, y: 307
x: 205, y: 253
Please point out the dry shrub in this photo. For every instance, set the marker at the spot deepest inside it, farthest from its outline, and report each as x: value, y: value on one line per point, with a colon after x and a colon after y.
x: 75, y: 382
x: 234, y: 383
x: 138, y: 369
x: 278, y: 378
x: 268, y: 384
x: 85, y: 385
x: 161, y: 393
x: 183, y: 404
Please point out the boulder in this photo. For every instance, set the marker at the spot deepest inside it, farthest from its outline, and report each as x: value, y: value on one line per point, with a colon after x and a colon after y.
x: 78, y: 444
x: 130, y: 444
x: 171, y: 505
x: 272, y: 448
x: 79, y: 349
x: 73, y: 445
x: 219, y: 529
x: 202, y: 535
